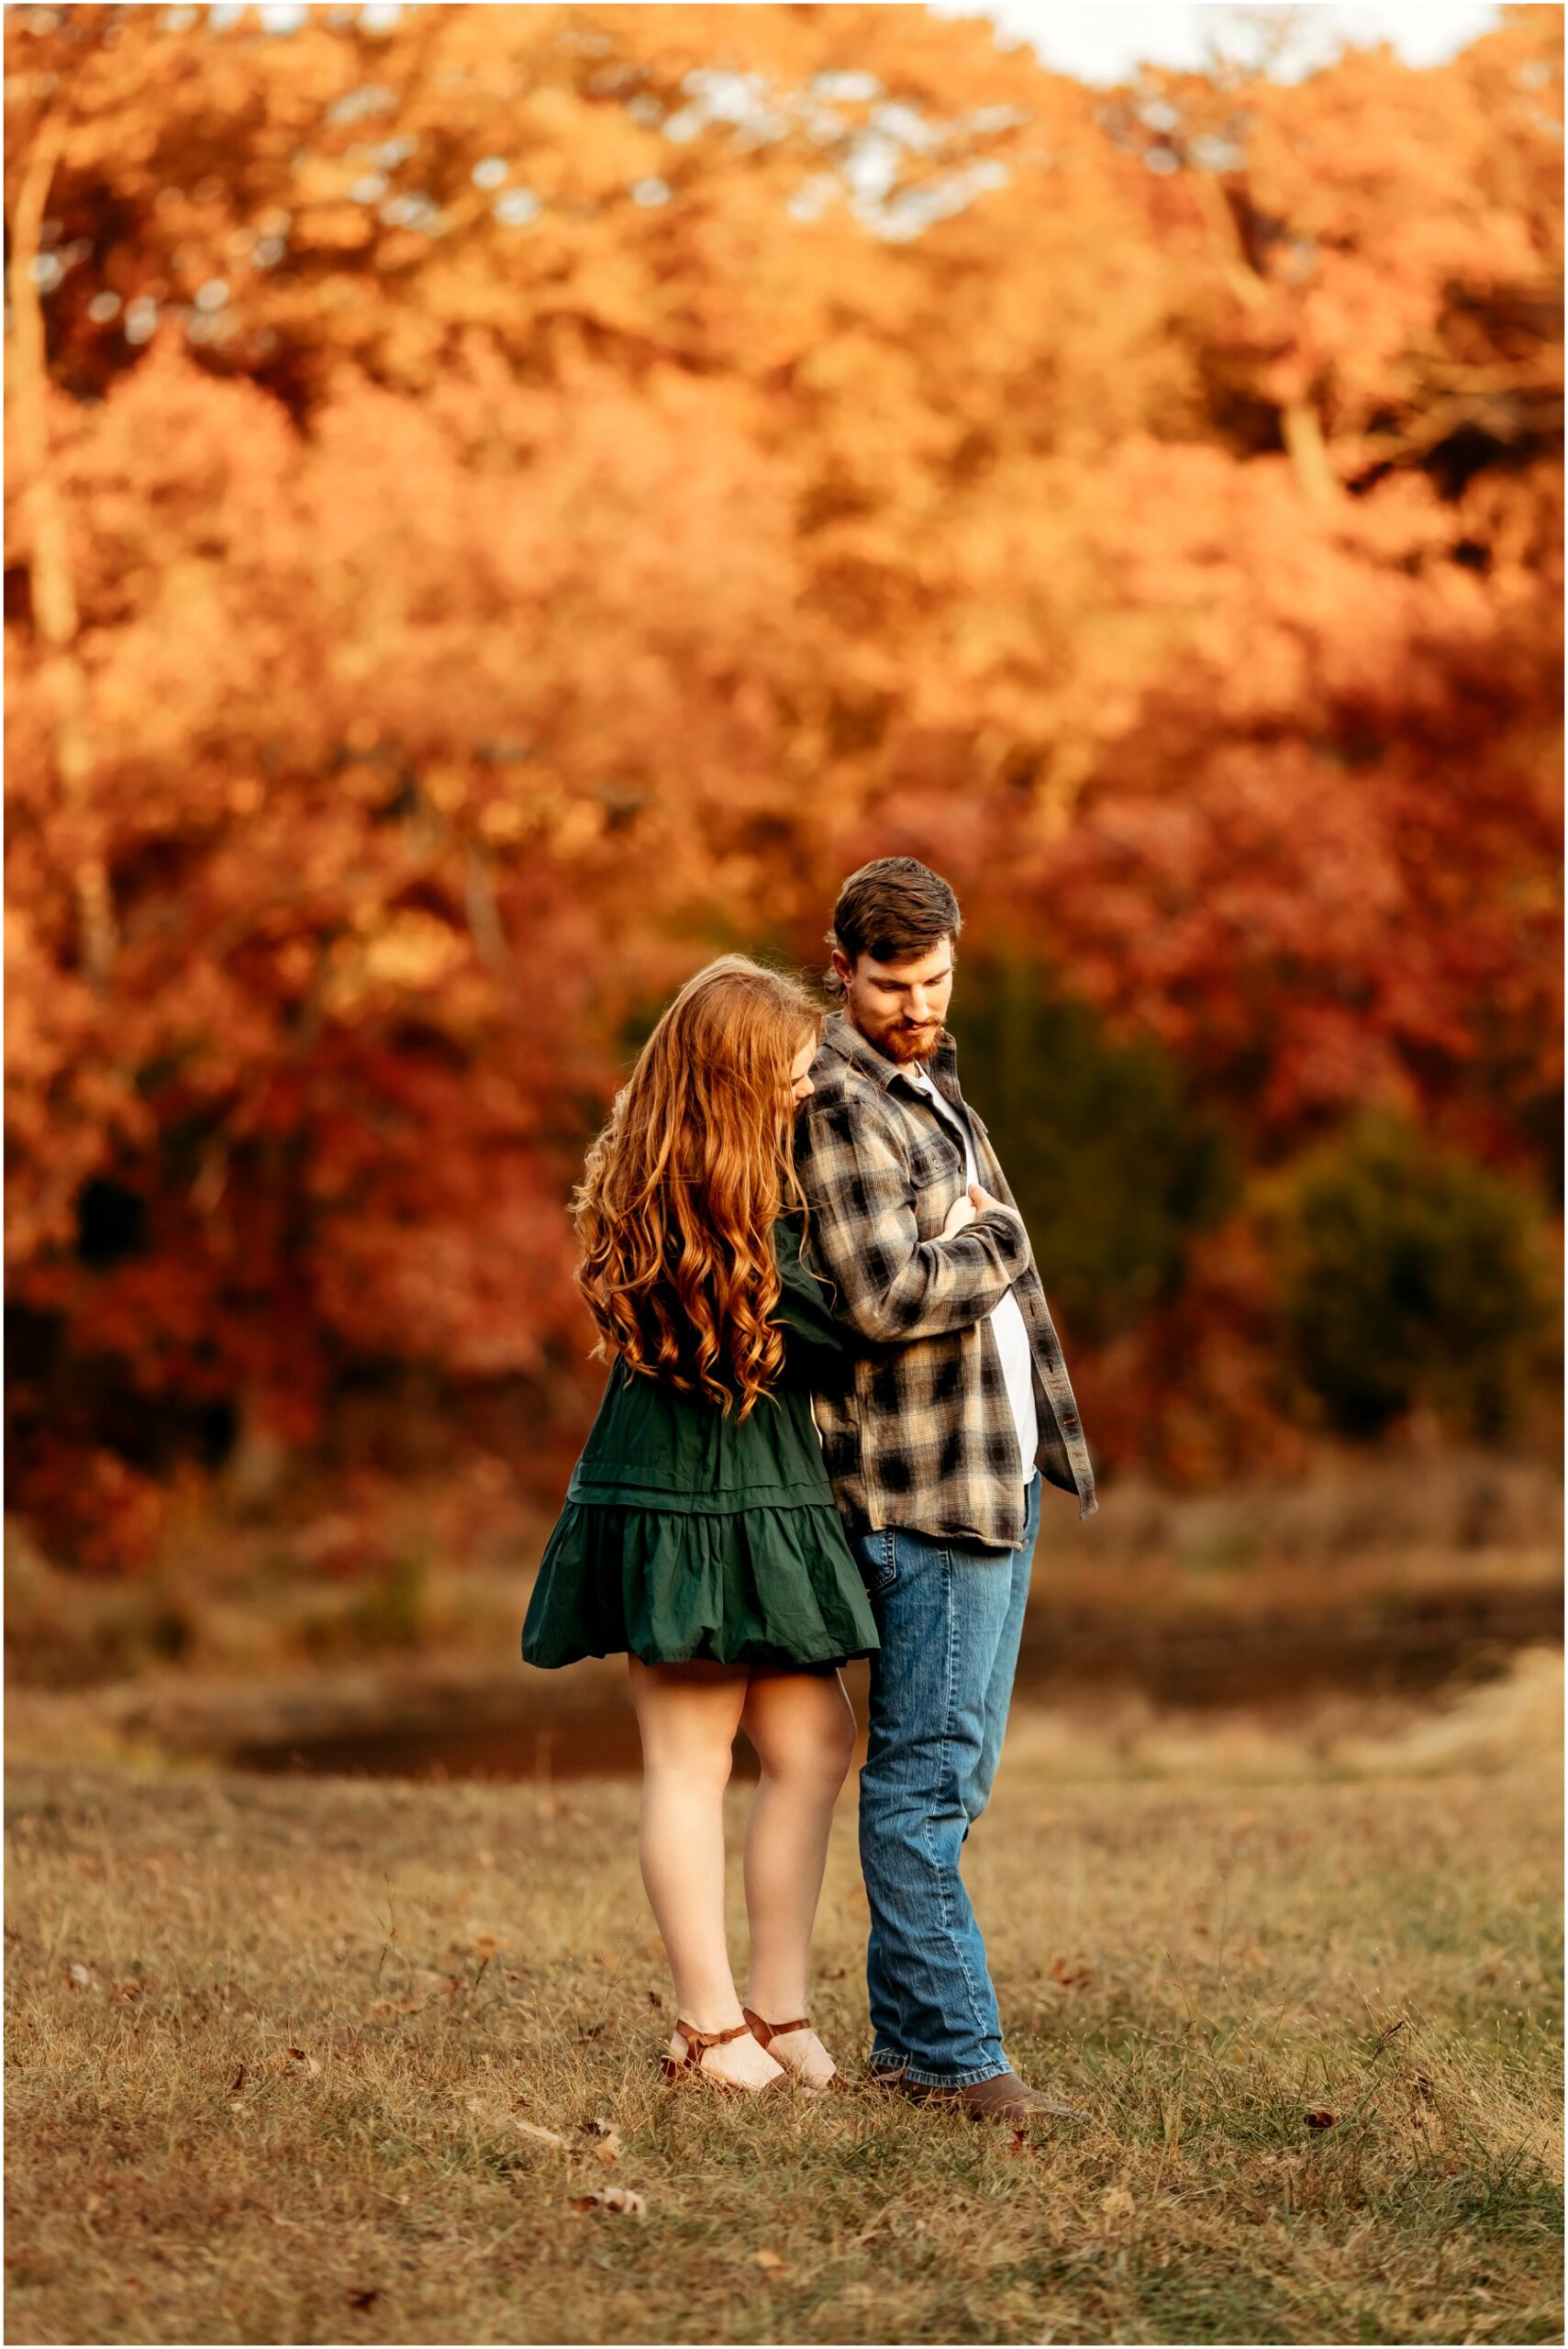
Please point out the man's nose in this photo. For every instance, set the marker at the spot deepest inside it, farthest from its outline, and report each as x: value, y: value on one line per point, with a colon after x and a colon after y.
x: 919, y: 1010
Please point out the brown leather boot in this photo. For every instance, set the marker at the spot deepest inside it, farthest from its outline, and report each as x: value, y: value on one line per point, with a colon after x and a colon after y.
x: 1006, y: 2098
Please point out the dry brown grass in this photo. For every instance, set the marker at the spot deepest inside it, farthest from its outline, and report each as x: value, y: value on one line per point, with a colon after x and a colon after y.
x: 272, y: 2042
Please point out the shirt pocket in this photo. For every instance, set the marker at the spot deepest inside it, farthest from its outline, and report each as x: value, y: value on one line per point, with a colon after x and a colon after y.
x: 936, y: 1177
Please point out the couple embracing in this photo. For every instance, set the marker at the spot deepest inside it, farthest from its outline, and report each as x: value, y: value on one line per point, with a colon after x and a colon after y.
x: 834, y: 1391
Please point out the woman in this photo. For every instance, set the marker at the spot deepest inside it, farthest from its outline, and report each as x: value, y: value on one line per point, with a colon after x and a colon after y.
x: 699, y: 1533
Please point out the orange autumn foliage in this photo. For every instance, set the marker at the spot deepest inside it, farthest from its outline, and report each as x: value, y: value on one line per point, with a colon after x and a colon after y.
x: 503, y: 499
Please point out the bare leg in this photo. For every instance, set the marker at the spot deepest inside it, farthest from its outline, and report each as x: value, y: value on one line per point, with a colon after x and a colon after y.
x: 688, y: 1715
x: 804, y: 1731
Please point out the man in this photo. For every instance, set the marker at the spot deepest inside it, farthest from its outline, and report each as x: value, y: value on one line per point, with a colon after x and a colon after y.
x: 936, y: 1451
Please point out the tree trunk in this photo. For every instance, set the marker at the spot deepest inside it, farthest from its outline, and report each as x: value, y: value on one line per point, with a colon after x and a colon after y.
x: 53, y: 591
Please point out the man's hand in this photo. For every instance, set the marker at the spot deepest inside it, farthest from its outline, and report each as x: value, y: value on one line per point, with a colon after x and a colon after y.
x: 959, y: 1214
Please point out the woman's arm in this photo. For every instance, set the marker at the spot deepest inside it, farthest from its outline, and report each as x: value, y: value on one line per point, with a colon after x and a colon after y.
x: 805, y: 1308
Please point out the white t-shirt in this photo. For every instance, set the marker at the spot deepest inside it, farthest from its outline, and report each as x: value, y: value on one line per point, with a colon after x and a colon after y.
x: 1006, y: 1322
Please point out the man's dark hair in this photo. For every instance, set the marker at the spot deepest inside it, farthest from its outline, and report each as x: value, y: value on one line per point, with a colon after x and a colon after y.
x: 893, y: 909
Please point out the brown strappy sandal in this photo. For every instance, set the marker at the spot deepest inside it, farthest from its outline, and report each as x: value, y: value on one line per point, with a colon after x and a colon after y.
x: 763, y: 2031
x: 697, y: 2044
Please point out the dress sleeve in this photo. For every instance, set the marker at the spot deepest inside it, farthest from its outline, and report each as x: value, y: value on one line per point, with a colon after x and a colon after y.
x: 804, y: 1309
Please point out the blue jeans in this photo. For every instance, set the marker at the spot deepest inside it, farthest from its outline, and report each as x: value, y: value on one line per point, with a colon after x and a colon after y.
x: 949, y: 1615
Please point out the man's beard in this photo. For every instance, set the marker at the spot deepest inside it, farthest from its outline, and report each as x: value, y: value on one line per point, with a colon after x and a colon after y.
x: 912, y: 1043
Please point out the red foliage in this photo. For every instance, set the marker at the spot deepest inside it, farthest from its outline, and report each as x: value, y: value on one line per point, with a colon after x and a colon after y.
x: 502, y: 502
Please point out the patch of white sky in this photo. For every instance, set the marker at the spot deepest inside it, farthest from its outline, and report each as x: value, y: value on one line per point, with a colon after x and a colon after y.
x: 1105, y: 41
x: 1101, y: 42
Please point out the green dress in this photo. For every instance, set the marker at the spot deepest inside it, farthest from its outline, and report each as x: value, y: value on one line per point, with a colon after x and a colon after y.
x: 688, y: 1533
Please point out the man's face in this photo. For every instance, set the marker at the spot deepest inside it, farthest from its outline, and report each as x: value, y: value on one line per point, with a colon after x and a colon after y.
x: 899, y: 1006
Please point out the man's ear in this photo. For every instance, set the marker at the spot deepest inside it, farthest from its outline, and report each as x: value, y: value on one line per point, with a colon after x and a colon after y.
x: 842, y: 965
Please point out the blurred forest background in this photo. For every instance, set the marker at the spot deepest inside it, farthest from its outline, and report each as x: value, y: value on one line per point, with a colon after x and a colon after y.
x: 505, y: 502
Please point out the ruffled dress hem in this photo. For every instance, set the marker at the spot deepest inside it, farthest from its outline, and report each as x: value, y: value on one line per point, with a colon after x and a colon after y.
x: 770, y: 1586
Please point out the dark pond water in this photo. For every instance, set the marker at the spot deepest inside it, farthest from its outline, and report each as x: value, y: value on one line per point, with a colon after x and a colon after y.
x: 1276, y: 1668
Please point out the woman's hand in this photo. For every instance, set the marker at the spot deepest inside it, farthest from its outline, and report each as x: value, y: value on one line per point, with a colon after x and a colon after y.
x: 959, y: 1214
x: 980, y: 1200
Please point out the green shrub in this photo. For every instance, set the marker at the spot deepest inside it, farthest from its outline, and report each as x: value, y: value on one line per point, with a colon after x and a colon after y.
x: 1410, y: 1274
x: 1112, y: 1166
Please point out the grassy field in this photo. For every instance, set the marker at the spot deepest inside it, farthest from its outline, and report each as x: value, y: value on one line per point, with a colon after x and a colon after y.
x: 313, y: 2060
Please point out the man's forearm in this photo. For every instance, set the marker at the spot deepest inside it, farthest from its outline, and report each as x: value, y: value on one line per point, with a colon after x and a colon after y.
x: 895, y: 1293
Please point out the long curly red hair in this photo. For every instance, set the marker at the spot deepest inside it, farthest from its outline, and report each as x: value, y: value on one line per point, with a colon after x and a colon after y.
x: 675, y: 1210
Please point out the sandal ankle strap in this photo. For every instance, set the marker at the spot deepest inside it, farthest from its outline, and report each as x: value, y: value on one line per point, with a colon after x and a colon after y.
x: 698, y: 2040
x: 765, y: 2030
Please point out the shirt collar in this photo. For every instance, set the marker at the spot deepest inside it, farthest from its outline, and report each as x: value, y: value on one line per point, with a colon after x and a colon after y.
x: 839, y: 1035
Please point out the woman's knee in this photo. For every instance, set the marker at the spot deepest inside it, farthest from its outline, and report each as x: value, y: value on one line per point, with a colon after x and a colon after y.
x: 686, y: 1754
x: 807, y: 1744
x: 823, y: 1764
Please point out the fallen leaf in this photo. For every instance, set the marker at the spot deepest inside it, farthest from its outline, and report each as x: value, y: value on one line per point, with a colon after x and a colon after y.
x: 79, y: 1977
x: 654, y: 1999
x: 1321, y: 2118
x: 612, y: 2198
x: 494, y: 2117
x: 1116, y: 2203
x: 1070, y: 1973
x: 544, y: 2136
x: 238, y: 2079
x: 771, y: 2261
x: 301, y: 2057
x: 366, y: 2299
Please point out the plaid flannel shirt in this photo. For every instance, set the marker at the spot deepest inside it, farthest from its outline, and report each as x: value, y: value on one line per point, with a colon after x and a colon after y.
x: 922, y: 1435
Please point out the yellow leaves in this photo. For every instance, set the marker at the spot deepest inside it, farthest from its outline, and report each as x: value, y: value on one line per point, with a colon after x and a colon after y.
x: 324, y: 180
x: 580, y: 827
x: 336, y: 228
x: 412, y: 949
x: 503, y: 821
x: 446, y: 787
